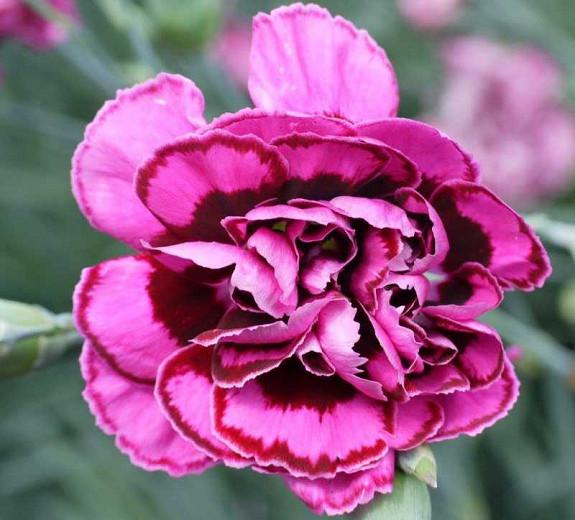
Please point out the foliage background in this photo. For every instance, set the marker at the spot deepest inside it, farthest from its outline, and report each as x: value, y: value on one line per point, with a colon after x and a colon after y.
x: 54, y: 463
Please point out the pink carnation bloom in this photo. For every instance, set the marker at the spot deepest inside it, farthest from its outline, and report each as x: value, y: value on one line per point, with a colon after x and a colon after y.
x: 280, y: 313
x: 430, y: 14
x: 20, y: 21
x: 502, y: 103
x: 231, y: 49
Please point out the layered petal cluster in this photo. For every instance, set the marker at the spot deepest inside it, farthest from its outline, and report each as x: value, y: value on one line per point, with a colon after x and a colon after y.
x: 21, y: 21
x: 308, y: 277
x: 503, y: 103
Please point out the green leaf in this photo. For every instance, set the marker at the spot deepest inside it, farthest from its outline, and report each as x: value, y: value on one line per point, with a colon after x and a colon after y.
x: 409, y: 501
x: 419, y: 462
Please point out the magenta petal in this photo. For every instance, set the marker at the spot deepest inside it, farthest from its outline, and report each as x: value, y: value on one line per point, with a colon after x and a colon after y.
x: 481, y: 353
x: 466, y: 294
x: 129, y: 411
x: 439, y: 379
x: 125, y: 132
x: 268, y: 126
x: 234, y: 364
x: 436, y: 156
x: 322, y: 167
x: 302, y: 423
x: 193, y: 183
x: 471, y: 412
x: 482, y: 228
x: 344, y: 492
x: 417, y: 421
x: 376, y: 212
x: 183, y: 391
x: 312, y: 358
x: 298, y: 323
x: 135, y: 312
x: 304, y: 60
x: 337, y: 333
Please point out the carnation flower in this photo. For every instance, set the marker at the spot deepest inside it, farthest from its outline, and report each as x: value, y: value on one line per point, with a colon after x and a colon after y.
x: 231, y: 49
x: 308, y: 276
x: 20, y: 21
x: 503, y: 103
x: 430, y: 14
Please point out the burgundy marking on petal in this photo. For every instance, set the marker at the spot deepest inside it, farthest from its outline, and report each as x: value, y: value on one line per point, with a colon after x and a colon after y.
x: 213, y: 200
x: 197, y: 362
x: 181, y: 306
x: 233, y: 364
x: 468, y: 242
x: 291, y: 387
x: 410, y: 415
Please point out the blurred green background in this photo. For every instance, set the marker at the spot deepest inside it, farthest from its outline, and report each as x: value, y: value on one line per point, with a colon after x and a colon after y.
x: 54, y: 463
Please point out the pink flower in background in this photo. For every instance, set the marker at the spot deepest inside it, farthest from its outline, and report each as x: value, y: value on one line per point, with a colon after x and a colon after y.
x: 430, y: 14
x: 20, y: 21
x: 308, y: 276
x: 231, y: 49
x: 502, y: 103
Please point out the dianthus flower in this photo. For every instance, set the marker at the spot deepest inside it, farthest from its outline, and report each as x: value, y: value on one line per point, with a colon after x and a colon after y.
x: 308, y: 275
x: 503, y: 104
x: 20, y: 21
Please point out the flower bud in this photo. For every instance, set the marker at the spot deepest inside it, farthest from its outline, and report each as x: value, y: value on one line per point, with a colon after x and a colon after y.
x: 420, y: 462
x: 31, y: 337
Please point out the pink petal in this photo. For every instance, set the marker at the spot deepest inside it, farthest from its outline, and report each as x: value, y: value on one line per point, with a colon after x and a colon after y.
x: 234, y: 364
x: 125, y: 132
x: 337, y: 333
x: 437, y: 157
x: 481, y: 228
x: 344, y: 492
x: 129, y: 411
x: 417, y: 421
x: 193, y: 183
x: 322, y: 167
x: 304, y: 60
x: 377, y: 248
x: 135, y: 313
x: 471, y: 412
x: 267, y: 127
x: 439, y: 379
x: 270, y: 285
x: 302, y: 423
x: 183, y: 391
x: 298, y: 323
x: 417, y: 206
x: 481, y: 353
x: 376, y: 212
x: 466, y: 294
x: 312, y: 358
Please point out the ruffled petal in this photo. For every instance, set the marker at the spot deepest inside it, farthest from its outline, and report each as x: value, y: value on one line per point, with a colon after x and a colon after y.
x: 125, y: 132
x: 466, y: 294
x: 344, y: 492
x: 135, y: 312
x: 481, y: 228
x: 480, y: 350
x: 183, y: 390
x: 302, y: 423
x: 417, y: 421
x: 436, y: 156
x: 322, y: 167
x: 268, y: 126
x: 471, y: 412
x: 337, y: 333
x: 192, y: 184
x: 304, y: 60
x: 129, y: 411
